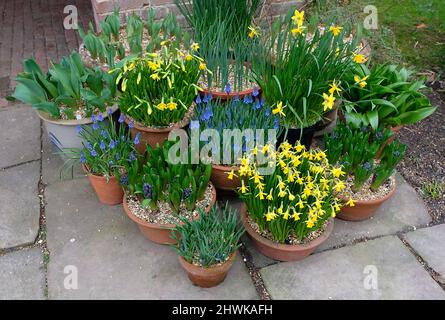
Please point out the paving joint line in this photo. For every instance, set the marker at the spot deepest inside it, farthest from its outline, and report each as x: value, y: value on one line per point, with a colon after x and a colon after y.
x: 433, y: 273
x: 254, y: 273
x: 19, y: 164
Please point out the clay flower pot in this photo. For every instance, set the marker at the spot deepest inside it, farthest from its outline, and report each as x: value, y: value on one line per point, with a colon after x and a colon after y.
x: 223, y: 96
x: 109, y: 192
x: 154, y: 136
x: 220, y: 180
x: 363, y: 209
x: 283, y: 252
x: 207, y: 277
x: 156, y: 232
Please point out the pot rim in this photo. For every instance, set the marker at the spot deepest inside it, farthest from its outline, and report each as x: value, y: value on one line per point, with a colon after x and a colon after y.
x: 151, y: 225
x: 213, y: 268
x: 86, y: 169
x: 285, y: 247
x: 178, y: 125
x: 45, y: 117
x: 374, y: 201
x: 221, y: 94
x: 223, y: 167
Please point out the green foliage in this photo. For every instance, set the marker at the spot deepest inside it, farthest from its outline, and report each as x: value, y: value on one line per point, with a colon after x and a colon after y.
x: 356, y: 149
x: 298, y: 67
x: 135, y: 30
x: 209, y: 240
x: 158, y: 88
x: 390, y: 97
x: 234, y: 16
x: 68, y: 88
x: 107, y: 150
x: 248, y: 114
x: 160, y: 180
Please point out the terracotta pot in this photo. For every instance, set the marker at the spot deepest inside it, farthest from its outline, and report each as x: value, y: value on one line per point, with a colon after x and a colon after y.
x: 390, y: 140
x: 223, y: 96
x: 283, y: 252
x: 109, y: 192
x: 363, y: 209
x: 156, y: 232
x: 154, y: 136
x: 207, y: 277
x: 220, y: 180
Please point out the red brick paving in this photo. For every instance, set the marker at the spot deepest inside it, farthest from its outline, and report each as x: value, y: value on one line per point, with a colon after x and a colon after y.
x: 35, y: 28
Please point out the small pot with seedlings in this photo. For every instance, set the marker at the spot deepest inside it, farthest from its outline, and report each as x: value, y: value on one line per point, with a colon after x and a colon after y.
x: 160, y: 194
x: 368, y: 182
x: 244, y: 116
x: 207, y: 246
x: 106, y: 151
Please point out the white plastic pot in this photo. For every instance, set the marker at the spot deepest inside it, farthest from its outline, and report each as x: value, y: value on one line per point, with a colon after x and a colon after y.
x: 63, y: 133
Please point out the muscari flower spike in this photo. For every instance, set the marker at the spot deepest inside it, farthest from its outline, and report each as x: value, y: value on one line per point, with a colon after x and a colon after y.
x: 255, y: 92
x: 131, y: 125
x: 227, y: 89
x: 121, y: 118
x: 102, y: 145
x: 198, y: 99
x: 93, y: 153
x: 124, y: 180
x: 95, y: 125
x: 100, y: 117
x: 136, y: 139
x: 110, y: 111
x: 112, y: 144
x: 131, y: 157
x: 103, y: 133
x: 147, y: 189
x: 186, y: 193
x: 82, y: 158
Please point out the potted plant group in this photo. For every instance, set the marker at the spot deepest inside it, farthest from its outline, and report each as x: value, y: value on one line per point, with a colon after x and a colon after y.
x: 302, y: 72
x: 368, y: 182
x: 208, y: 262
x: 68, y: 95
x: 117, y: 41
x: 106, y: 151
x: 158, y: 91
x: 288, y: 211
x: 244, y: 116
x: 158, y: 193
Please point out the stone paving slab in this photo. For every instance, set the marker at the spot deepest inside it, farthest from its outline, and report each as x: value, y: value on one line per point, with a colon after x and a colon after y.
x: 340, y: 274
x: 20, y: 135
x: 403, y: 211
x: 19, y: 205
x: 53, y: 164
x: 113, y: 259
x: 429, y: 244
x: 22, y: 276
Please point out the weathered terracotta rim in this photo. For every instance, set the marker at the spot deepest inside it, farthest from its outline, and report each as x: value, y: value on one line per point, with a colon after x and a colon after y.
x: 285, y: 247
x: 223, y: 167
x: 374, y: 201
x: 178, y: 125
x: 159, y: 226
x: 220, y: 94
x: 213, y: 268
x: 45, y: 117
x: 88, y: 172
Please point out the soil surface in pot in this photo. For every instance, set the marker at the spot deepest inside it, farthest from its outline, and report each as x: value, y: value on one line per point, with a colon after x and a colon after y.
x: 292, y: 240
x: 365, y: 193
x: 164, y: 214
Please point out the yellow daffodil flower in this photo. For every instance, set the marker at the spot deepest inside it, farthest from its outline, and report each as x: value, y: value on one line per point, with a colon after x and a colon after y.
x: 359, y: 58
x: 155, y: 76
x: 270, y: 215
x: 270, y: 196
x: 161, y: 106
x: 339, y: 186
x: 202, y: 66
x: 309, y: 223
x: 334, y: 88
x: 295, y: 215
x: 171, y: 105
x: 298, y: 17
x: 261, y: 195
x: 195, y: 46
x: 279, y: 109
x: 335, y: 30
x: 361, y: 81
x: 253, y: 32
x: 188, y: 57
x: 291, y: 196
x: 328, y: 102
x: 296, y: 31
x: 337, y: 172
x: 243, y: 188
x: 231, y: 174
x: 350, y: 203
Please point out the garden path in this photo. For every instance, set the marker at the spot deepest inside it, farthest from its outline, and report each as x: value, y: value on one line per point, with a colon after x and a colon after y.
x: 51, y: 223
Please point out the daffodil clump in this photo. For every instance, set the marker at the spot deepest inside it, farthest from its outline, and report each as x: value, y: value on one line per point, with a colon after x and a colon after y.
x: 302, y: 66
x: 297, y: 198
x: 158, y: 89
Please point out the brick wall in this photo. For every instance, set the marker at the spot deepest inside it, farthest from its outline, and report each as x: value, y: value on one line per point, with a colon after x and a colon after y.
x: 102, y: 8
